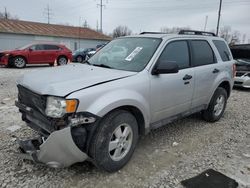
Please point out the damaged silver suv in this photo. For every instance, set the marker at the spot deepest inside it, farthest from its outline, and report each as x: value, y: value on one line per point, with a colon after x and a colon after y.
x: 97, y: 110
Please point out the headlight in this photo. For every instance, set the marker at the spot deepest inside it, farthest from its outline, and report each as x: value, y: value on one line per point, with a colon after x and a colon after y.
x: 56, y: 107
x: 6, y: 54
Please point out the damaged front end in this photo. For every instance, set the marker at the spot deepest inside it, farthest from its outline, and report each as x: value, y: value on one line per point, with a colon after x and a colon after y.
x: 58, y: 150
x: 61, y: 142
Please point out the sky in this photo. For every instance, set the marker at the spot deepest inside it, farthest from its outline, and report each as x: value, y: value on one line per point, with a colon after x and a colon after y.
x: 138, y: 15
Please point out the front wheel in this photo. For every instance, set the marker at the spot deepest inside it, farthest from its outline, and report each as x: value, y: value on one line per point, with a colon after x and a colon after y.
x: 216, y: 106
x: 19, y: 62
x: 114, y: 141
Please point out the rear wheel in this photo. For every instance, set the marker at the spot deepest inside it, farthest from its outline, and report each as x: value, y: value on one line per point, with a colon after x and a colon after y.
x: 19, y: 62
x: 114, y: 141
x: 216, y: 106
x: 62, y: 60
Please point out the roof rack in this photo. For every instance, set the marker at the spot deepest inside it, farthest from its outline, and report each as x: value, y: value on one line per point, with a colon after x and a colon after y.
x: 193, y: 32
x: 143, y: 33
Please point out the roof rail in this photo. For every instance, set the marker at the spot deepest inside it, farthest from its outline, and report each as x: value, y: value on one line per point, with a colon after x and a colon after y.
x: 193, y: 32
x: 143, y: 33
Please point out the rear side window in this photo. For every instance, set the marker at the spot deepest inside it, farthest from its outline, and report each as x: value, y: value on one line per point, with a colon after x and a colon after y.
x: 51, y: 47
x: 176, y: 52
x: 222, y: 49
x: 202, y: 53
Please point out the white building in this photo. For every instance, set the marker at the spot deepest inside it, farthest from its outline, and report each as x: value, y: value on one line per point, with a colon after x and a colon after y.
x: 16, y: 33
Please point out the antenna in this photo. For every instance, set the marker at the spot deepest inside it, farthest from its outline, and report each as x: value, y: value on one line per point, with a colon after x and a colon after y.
x: 205, y: 26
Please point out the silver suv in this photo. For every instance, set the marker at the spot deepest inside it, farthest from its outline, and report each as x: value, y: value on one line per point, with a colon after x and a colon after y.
x: 97, y: 110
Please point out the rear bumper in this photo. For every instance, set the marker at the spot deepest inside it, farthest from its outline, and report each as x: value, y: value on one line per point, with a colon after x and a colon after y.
x: 58, y: 150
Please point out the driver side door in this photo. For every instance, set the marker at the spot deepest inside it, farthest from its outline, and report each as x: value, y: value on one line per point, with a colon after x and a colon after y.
x: 171, y: 93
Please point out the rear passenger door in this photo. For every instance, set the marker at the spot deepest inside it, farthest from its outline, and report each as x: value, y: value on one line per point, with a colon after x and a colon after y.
x: 204, y: 63
x: 171, y: 94
x: 51, y: 52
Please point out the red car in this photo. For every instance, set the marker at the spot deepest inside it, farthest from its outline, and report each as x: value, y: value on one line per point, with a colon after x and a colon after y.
x: 36, y: 54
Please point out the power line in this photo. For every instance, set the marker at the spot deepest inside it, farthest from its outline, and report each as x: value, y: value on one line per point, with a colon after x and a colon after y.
x: 48, y: 13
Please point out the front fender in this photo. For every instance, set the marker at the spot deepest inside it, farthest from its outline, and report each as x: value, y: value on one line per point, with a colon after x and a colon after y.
x: 118, y: 98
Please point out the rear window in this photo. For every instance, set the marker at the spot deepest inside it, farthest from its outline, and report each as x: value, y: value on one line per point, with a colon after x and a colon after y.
x: 202, y: 53
x: 222, y: 49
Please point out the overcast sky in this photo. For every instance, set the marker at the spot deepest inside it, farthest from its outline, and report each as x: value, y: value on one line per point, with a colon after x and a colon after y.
x: 138, y: 15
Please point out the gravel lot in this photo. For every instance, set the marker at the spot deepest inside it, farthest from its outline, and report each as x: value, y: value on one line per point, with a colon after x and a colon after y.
x: 157, y: 162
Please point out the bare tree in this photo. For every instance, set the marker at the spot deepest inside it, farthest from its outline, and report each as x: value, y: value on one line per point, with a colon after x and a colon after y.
x: 225, y: 32
x: 121, y: 31
x: 232, y: 37
x: 173, y: 29
x: 7, y: 15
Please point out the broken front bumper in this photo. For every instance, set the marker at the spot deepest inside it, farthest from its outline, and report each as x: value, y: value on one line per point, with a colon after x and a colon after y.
x: 58, y: 150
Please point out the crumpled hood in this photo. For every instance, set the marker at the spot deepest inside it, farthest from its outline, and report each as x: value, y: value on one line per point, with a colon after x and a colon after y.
x: 62, y: 80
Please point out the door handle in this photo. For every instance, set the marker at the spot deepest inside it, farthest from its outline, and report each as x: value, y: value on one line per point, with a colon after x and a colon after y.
x: 216, y: 71
x: 187, y: 77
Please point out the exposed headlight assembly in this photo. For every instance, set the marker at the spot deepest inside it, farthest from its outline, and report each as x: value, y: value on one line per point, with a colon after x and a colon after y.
x: 57, y: 107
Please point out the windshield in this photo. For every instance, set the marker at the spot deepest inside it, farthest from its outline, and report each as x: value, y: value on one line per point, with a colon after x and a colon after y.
x: 23, y: 47
x: 129, y: 54
x: 79, y: 50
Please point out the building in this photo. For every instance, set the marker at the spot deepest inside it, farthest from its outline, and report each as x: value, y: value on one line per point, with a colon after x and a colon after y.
x: 17, y: 33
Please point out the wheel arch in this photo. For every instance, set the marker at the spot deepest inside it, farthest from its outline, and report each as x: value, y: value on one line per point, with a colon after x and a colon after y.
x: 136, y: 112
x: 20, y: 55
x: 62, y: 55
x: 226, y: 85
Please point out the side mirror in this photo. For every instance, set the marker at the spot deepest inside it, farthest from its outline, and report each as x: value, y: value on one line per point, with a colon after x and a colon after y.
x: 30, y: 50
x: 165, y: 67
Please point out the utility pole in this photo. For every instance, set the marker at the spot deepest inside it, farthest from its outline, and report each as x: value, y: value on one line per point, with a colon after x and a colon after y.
x: 218, y: 22
x: 101, y: 5
x: 205, y: 26
x: 48, y: 13
x: 5, y: 13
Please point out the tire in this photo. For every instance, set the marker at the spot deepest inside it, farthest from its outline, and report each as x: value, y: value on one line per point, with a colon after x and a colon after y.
x: 79, y: 59
x: 19, y: 62
x: 216, y: 106
x: 62, y: 60
x: 109, y: 151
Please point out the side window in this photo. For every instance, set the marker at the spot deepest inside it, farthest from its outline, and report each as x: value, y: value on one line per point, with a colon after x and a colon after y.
x: 177, y: 52
x: 39, y: 47
x: 222, y: 49
x: 202, y: 53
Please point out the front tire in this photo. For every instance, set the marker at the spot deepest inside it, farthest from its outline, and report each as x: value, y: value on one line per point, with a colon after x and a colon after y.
x: 19, y: 62
x: 115, y: 140
x: 216, y: 106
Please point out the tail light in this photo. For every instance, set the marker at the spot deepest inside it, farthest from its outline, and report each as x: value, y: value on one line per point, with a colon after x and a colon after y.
x: 234, y: 70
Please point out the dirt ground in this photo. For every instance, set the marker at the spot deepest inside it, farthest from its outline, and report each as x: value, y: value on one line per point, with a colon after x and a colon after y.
x: 163, y: 158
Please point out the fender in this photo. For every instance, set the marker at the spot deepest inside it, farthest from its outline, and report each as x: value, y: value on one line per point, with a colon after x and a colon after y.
x: 118, y: 98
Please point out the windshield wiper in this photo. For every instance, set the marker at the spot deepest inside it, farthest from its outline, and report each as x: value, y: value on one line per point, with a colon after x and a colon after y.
x: 102, y: 65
